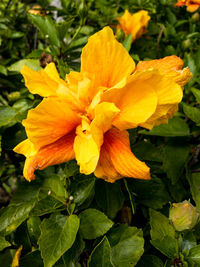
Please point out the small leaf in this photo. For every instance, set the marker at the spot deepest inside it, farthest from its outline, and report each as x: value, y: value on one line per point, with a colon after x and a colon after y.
x: 127, y: 42
x: 33, y: 225
x: 160, y: 225
x: 192, y: 113
x: 167, y: 245
x: 188, y: 241
x: 93, y: 223
x: 175, y: 127
x: 13, y: 215
x: 56, y: 187
x: 196, y: 93
x: 71, y: 257
x: 46, y: 205
x: 109, y: 197
x: 154, y: 198
x: 31, y: 63
x: 127, y: 245
x: 47, y: 27
x: 19, y: 208
x: 3, y: 70
x: 58, y: 234
x: 7, y: 114
x: 81, y: 188
x: 163, y: 234
x: 194, y: 181
x: 194, y: 255
x: 3, y: 243
x: 147, y: 151
x: 101, y: 255
x: 176, y: 154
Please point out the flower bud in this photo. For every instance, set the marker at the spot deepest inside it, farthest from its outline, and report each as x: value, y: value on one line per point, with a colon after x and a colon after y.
x: 195, y: 17
x: 186, y: 44
x: 183, y: 215
x: 14, y: 96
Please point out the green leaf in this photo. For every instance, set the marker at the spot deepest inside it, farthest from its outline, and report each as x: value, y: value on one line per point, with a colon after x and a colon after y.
x: 81, y: 188
x: 3, y: 70
x: 31, y: 259
x: 0, y: 154
x: 93, y: 223
x: 163, y: 234
x: 47, y: 27
x: 167, y: 245
x: 3, y: 243
x: 194, y: 181
x: 188, y: 241
x: 192, y: 113
x: 47, y: 205
x: 101, y: 255
x: 13, y: 215
x: 58, y: 234
x: 189, y: 60
x: 33, y: 225
x: 194, y: 255
x: 7, y: 114
x: 109, y: 197
x: 71, y: 257
x: 175, y: 127
x: 127, y: 245
x: 55, y: 186
x: 160, y: 225
x: 31, y: 63
x: 145, y: 150
x: 18, y: 210
x: 154, y: 198
x: 176, y: 153
x: 150, y: 260
x: 196, y: 93
x: 127, y: 42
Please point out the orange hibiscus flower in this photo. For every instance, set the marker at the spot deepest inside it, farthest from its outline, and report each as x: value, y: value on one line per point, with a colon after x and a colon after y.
x: 134, y: 24
x: 192, y: 5
x: 86, y: 116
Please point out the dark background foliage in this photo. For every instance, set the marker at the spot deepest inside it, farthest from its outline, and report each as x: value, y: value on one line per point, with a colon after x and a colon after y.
x: 67, y: 219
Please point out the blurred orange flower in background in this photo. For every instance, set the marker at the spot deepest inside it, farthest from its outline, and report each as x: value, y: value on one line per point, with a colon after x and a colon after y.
x: 86, y: 117
x: 135, y: 24
x: 37, y: 10
x: 192, y: 5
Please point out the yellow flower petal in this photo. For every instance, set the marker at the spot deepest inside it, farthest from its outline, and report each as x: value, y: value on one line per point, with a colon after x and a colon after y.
x: 58, y: 152
x: 161, y: 116
x: 137, y: 101
x: 49, y: 121
x: 44, y: 82
x: 106, y: 60
x: 15, y: 262
x: 171, y: 66
x: 25, y: 148
x: 102, y: 122
x: 86, y: 151
x: 125, y: 163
